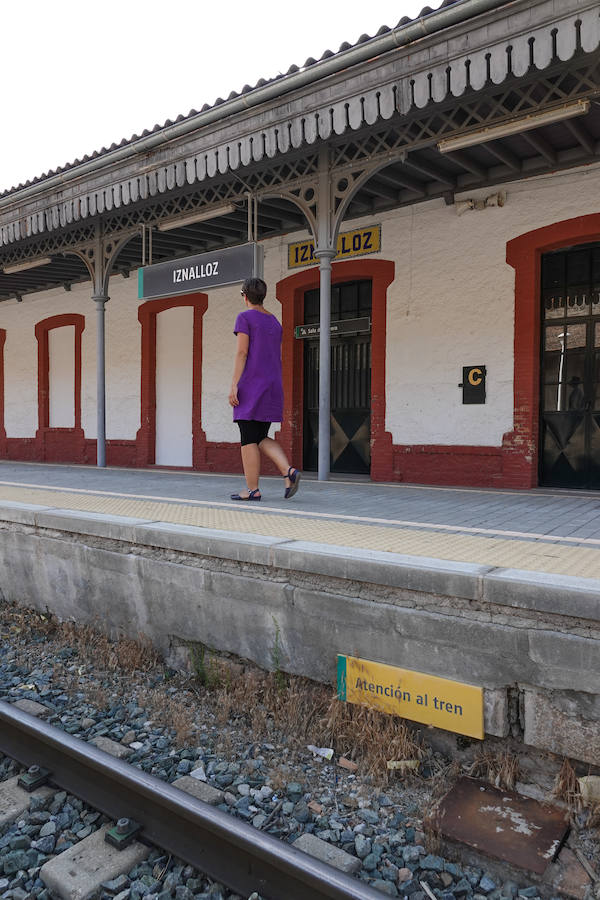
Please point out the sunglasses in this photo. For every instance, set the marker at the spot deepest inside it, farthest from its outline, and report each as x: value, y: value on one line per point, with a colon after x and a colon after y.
x: 243, y: 293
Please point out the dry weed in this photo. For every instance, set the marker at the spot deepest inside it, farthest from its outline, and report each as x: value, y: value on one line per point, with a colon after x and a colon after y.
x: 278, y: 780
x: 370, y: 736
x: 96, y: 648
x: 500, y: 769
x: 295, y: 708
x: 97, y: 695
x: 172, y: 712
x: 566, y: 786
x: 308, y: 712
x: 305, y: 711
x: 24, y: 623
x: 594, y: 816
x: 433, y: 840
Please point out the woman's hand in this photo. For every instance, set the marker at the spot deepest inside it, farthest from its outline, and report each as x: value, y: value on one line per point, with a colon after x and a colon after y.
x: 233, y: 396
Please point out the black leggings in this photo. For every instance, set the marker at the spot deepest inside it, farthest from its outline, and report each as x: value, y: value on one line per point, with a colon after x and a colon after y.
x: 252, y: 432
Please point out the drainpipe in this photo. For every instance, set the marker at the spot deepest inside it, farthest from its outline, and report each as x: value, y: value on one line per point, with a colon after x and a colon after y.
x: 398, y: 37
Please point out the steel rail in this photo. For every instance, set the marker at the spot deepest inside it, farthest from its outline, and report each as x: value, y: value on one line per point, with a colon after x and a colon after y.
x: 212, y: 841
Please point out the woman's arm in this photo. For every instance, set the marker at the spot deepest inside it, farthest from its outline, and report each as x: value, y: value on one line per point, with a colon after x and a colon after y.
x: 239, y: 364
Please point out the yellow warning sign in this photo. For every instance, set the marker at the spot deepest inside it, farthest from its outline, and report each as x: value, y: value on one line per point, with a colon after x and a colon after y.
x: 451, y: 705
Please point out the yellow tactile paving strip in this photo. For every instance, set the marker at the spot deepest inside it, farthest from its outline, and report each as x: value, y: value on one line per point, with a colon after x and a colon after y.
x: 533, y: 555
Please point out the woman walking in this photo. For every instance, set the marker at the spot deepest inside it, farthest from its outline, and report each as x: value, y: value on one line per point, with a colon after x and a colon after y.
x: 257, y: 391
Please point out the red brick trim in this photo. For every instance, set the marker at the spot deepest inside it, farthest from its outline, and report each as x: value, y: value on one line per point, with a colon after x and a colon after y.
x: 146, y: 436
x: 449, y: 464
x: 290, y: 293
x: 58, y: 444
x: 520, y: 447
x: 119, y: 452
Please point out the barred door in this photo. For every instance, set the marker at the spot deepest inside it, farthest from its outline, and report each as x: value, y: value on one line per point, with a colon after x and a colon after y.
x: 570, y: 389
x: 350, y: 382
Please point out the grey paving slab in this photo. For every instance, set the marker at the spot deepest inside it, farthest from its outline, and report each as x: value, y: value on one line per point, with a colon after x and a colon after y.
x: 541, y: 511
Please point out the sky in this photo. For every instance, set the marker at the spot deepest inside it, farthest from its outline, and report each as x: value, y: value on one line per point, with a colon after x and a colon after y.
x: 79, y: 76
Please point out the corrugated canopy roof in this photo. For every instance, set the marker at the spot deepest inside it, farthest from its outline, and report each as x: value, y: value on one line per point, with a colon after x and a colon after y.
x: 246, y: 89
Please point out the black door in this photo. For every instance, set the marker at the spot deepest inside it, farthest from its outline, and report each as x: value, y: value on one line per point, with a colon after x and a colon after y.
x: 570, y: 390
x: 350, y: 382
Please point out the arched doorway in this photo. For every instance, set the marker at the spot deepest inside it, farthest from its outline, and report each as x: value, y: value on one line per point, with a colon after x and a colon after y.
x: 570, y: 368
x: 291, y: 293
x: 171, y: 388
x: 524, y: 447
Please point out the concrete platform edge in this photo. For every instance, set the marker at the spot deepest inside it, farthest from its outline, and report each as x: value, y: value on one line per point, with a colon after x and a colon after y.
x: 536, y: 591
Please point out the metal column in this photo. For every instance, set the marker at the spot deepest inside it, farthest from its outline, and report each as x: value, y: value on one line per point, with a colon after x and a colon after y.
x: 325, y: 252
x: 100, y: 301
x: 324, y: 257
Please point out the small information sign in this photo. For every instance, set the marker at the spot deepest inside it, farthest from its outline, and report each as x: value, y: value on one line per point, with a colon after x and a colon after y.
x: 473, y: 384
x: 349, y: 243
x: 344, y: 326
x: 446, y: 704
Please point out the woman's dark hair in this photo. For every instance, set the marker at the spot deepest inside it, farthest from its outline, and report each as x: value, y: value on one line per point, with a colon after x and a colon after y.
x: 255, y: 290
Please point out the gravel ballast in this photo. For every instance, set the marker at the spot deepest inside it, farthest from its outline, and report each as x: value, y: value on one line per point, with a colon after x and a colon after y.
x: 250, y: 768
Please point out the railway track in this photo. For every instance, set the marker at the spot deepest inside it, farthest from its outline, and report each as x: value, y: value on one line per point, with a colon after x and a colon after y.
x: 226, y: 849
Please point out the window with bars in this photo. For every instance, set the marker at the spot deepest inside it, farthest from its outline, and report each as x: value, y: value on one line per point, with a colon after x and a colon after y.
x: 351, y: 300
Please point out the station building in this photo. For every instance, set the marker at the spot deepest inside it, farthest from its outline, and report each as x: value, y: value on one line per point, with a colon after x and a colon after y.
x: 437, y: 183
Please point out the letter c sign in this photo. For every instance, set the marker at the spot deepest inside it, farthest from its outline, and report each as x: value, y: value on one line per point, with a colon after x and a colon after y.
x: 473, y: 384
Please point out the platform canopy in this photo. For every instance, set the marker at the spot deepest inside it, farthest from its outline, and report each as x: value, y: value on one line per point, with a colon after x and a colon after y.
x: 477, y: 93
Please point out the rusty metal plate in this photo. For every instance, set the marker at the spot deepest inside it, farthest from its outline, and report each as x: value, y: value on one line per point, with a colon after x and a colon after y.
x: 502, y: 824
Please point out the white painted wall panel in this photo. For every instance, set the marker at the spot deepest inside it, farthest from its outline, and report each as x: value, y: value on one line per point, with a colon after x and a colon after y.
x: 61, y: 377
x: 174, y: 371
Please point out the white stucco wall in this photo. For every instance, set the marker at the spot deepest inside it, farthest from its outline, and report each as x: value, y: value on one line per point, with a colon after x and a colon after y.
x: 122, y: 357
x: 451, y: 304
x: 123, y: 362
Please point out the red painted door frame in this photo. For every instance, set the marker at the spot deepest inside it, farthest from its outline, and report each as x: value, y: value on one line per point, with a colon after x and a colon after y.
x: 290, y: 293
x: 58, y: 444
x: 524, y: 254
x: 146, y: 436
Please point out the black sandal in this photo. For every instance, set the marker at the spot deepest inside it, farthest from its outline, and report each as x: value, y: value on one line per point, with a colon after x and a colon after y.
x: 294, y: 476
x: 252, y: 495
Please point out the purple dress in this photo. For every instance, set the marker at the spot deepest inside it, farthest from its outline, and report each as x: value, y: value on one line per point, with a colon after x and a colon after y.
x: 260, y: 389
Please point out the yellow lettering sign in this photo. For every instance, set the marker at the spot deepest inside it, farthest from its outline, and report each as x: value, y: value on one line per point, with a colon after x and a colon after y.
x: 350, y: 243
x: 475, y: 377
x: 429, y: 699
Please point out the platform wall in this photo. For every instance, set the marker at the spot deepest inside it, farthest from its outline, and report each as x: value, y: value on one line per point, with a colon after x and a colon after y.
x: 537, y: 657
